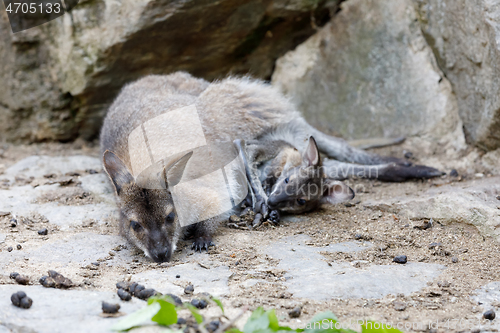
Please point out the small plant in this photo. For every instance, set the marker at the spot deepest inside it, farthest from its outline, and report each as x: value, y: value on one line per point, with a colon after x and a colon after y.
x: 163, y: 311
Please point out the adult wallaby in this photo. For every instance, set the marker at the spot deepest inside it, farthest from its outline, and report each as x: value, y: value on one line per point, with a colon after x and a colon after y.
x: 230, y: 109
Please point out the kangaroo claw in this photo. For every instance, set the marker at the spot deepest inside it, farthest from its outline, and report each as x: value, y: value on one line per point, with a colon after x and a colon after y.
x: 257, y: 220
x: 202, y: 243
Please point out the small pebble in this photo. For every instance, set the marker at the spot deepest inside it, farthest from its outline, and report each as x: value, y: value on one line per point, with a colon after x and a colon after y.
x: 358, y: 236
x: 295, y: 313
x: 433, y: 245
x: 110, y: 308
x: 13, y: 275
x: 43, y: 232
x: 9, y: 249
x: 400, y: 259
x: 181, y: 321
x: 189, y: 289
x: 498, y: 197
x: 196, y: 303
x: 490, y: 315
x: 177, y: 276
x: 92, y: 171
x: 454, y: 260
x: 408, y: 154
x: 19, y: 246
x: 124, y: 295
x: 13, y: 223
x: 454, y: 173
x: 399, y: 306
x: 96, y: 263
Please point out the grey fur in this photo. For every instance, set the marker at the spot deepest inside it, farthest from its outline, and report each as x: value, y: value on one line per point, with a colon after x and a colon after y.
x: 233, y: 108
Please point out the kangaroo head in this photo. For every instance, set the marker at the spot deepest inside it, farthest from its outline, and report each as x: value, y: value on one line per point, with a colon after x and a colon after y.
x: 147, y: 216
x: 302, y: 188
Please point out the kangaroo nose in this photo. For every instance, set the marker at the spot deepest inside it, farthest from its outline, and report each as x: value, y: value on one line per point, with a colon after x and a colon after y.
x: 272, y: 202
x: 161, y: 254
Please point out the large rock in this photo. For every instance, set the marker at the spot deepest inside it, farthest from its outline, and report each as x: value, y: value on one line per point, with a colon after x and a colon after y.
x: 58, y: 78
x: 465, y: 35
x: 370, y: 73
x: 473, y: 202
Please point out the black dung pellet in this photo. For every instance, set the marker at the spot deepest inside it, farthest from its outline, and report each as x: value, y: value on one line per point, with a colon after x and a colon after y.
x: 137, y: 289
x: 124, y: 295
x: 43, y: 232
x: 26, y: 303
x: 295, y: 313
x: 145, y: 293
x: 490, y: 315
x: 196, y: 303
x: 181, y: 321
x: 132, y: 287
x: 203, y: 304
x: 21, y: 279
x: 400, y: 259
x: 9, y: 249
x: 189, y: 289
x: 122, y: 285
x: 177, y: 276
x: 454, y: 173
x: 176, y: 299
x: 20, y: 300
x: 110, y: 308
x: 13, y: 275
x: 19, y: 246
x: 213, y: 326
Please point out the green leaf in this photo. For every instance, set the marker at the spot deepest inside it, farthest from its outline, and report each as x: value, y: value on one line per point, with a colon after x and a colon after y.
x: 137, y: 318
x: 219, y: 303
x: 197, y: 316
x: 374, y: 327
x: 259, y: 320
x: 233, y: 330
x: 167, y: 314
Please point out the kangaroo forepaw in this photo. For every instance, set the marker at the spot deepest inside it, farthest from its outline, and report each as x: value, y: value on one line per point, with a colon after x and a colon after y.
x: 202, y: 243
x: 274, y: 216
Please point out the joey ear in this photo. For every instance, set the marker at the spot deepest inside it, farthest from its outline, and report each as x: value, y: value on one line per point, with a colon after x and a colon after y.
x: 311, y: 155
x: 173, y: 171
x: 116, y: 170
x: 335, y: 192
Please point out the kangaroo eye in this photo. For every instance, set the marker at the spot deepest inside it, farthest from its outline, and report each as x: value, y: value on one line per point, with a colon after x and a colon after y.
x: 287, y: 179
x: 170, y: 217
x: 135, y: 225
x: 301, y: 202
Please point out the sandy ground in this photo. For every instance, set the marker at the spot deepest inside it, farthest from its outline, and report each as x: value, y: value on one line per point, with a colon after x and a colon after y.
x: 471, y: 259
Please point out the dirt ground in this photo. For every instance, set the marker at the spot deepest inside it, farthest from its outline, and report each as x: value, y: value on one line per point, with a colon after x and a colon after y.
x: 472, y: 260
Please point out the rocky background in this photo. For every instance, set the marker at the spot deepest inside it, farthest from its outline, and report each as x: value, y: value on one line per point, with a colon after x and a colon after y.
x: 356, y: 68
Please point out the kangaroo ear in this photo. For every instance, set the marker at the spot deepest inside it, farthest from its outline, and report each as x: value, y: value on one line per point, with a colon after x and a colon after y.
x: 116, y: 170
x: 173, y: 171
x: 335, y: 192
x: 311, y: 154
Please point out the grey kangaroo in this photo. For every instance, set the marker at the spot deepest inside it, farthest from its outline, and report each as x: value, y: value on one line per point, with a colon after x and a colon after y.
x: 252, y: 114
